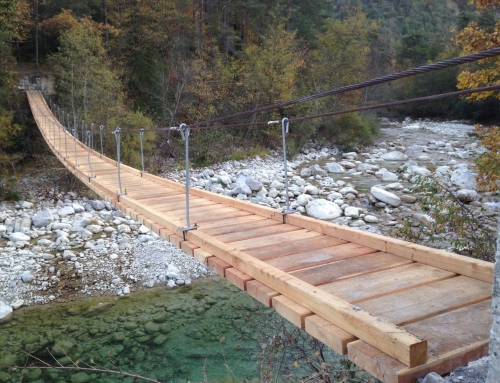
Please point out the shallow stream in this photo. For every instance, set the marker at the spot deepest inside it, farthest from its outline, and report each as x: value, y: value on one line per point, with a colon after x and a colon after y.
x: 171, y: 335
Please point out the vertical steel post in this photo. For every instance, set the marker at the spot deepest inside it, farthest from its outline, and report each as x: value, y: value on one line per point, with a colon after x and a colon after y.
x: 66, y: 136
x: 88, y: 159
x: 141, y: 133
x: 285, y: 127
x: 83, y: 135
x: 116, y: 133
x: 101, y: 127
x: 59, y: 126
x: 185, y: 131
x: 74, y: 139
x: 92, y: 136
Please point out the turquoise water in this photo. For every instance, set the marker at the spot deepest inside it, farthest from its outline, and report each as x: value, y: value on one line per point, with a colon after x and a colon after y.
x: 169, y: 335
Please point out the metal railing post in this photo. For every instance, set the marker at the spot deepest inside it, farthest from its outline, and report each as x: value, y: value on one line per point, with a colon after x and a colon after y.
x: 185, y: 131
x: 141, y: 133
x: 88, y: 159
x: 75, y: 133
x: 116, y: 133
x: 59, y: 133
x: 92, y: 136
x: 101, y: 127
x: 285, y: 127
x: 83, y: 135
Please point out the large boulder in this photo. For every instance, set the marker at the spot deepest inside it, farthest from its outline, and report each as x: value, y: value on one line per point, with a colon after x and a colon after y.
x: 333, y: 167
x: 394, y: 156
x: 42, y: 219
x: 464, y: 178
x: 253, y: 184
x: 18, y: 237
x: 317, y: 171
x: 5, y: 312
x: 385, y: 196
x: 323, y: 209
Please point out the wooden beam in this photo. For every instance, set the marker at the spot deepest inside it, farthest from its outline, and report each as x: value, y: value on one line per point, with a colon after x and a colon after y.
x: 331, y: 335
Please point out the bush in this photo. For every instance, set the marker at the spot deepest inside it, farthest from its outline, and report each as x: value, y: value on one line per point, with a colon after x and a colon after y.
x: 351, y: 130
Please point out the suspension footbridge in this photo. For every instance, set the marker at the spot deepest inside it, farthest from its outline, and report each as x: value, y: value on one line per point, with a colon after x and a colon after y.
x: 398, y: 310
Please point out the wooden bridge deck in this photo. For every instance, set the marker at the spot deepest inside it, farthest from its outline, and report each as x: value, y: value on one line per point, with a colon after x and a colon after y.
x: 397, y: 309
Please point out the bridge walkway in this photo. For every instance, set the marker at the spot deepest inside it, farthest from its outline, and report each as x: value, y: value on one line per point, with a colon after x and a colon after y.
x: 397, y: 309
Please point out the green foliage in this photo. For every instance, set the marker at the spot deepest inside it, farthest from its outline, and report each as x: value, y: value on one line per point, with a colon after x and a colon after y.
x: 350, y: 130
x: 451, y: 222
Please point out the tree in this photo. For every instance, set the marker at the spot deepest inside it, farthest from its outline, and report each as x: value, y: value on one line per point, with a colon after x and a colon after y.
x: 85, y: 83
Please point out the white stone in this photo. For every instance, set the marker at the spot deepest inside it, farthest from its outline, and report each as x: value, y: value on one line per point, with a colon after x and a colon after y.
x: 3, y: 228
x: 97, y: 205
x: 113, y: 256
x: 123, y: 228
x: 310, y: 189
x: 241, y: 189
x: 26, y: 277
x: 78, y: 208
x: 143, y: 230
x: 305, y: 172
x: 17, y: 304
x: 464, y: 178
x: 323, y: 209
x: 26, y: 204
x: 466, y: 196
x: 277, y: 185
x: 17, y: 237
x: 126, y: 290
x: 351, y: 211
x: 333, y: 167
x: 317, y: 171
x: 253, y: 184
x: 303, y: 199
x: 5, y: 312
x: 42, y: 219
x: 94, y: 228
x: 370, y: 219
x: 394, y: 156
x: 65, y: 211
x: 389, y: 177
x: 385, y: 196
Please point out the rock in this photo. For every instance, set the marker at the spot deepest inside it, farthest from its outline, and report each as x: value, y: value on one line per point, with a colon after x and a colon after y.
x: 68, y: 254
x: 241, y: 189
x: 394, y: 156
x: 408, y: 198
x: 389, y: 177
x: 65, y: 211
x: 423, y: 219
x: 347, y: 190
x: 5, y: 312
x: 124, y: 228
x: 18, y: 237
x: 143, y: 230
x: 17, y: 304
x: 466, y: 196
x: 310, y: 189
x: 277, y: 185
x: 126, y: 290
x: 26, y: 204
x: 433, y: 378
x: 351, y: 211
x: 3, y: 228
x: 323, y: 209
x: 370, y: 219
x: 303, y: 199
x: 463, y: 178
x: 42, y: 219
x: 385, y: 196
x: 333, y: 167
x: 317, y: 171
x: 253, y: 184
x: 94, y: 228
x: 97, y: 205
x: 344, y: 221
x: 78, y: 208
x: 26, y: 277
x: 305, y: 172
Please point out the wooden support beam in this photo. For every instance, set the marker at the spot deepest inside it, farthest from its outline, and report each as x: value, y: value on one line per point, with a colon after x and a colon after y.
x: 261, y: 292
x: 326, y: 332
x: 237, y: 278
x: 291, y: 311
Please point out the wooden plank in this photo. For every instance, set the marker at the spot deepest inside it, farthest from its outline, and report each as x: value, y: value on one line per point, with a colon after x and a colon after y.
x: 455, y: 263
x: 261, y: 292
x: 202, y: 255
x: 326, y: 332
x: 275, y: 239
x: 233, y: 222
x: 251, y: 225
x: 165, y: 233
x: 455, y: 339
x: 237, y: 278
x: 422, y: 302
x: 291, y: 311
x: 349, y: 268
x: 294, y: 247
x: 389, y: 338
x: 188, y: 247
x: 256, y: 233
x: 176, y: 240
x: 319, y: 257
x: 380, y: 283
x: 218, y: 265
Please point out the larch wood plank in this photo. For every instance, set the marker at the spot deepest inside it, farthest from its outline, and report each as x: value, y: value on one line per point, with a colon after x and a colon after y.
x: 455, y: 339
x: 349, y: 268
x: 209, y: 209
x: 261, y: 292
x: 237, y: 278
x: 326, y: 332
x: 202, y: 255
x: 388, y: 281
x: 418, y: 303
x: 294, y: 247
x: 188, y: 247
x: 181, y: 205
x: 233, y: 222
x: 290, y: 310
x: 319, y: 257
x: 254, y: 224
x: 175, y: 240
x: 218, y: 265
x: 274, y: 239
x: 201, y: 218
x: 256, y: 233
